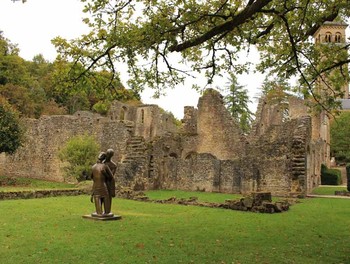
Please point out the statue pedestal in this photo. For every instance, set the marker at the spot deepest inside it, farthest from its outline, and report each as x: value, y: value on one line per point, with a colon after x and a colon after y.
x: 102, y: 217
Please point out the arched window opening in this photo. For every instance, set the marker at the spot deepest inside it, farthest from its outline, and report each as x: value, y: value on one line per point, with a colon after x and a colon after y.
x: 338, y: 37
x: 142, y: 116
x: 122, y: 113
x: 173, y: 155
x: 328, y: 37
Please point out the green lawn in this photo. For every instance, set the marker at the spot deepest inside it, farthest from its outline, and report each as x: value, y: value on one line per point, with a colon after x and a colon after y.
x: 328, y: 190
x: 52, y: 230
x: 24, y: 184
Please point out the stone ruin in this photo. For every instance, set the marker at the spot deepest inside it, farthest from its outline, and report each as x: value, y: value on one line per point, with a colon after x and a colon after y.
x: 255, y: 202
x: 208, y: 152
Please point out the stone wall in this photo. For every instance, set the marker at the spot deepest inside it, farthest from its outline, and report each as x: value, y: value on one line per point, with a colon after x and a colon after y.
x: 42, y: 194
x: 218, y: 133
x: 190, y: 121
x: 209, y: 153
x: 218, y: 158
x: 149, y: 120
x: 310, y: 139
x: 38, y: 158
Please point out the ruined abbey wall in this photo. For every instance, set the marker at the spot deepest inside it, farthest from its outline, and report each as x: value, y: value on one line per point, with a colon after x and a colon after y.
x: 274, y: 158
x: 38, y: 158
x: 209, y: 152
x: 148, y: 121
x: 219, y: 134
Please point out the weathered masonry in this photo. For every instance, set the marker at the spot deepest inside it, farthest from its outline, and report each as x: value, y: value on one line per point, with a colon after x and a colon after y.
x: 208, y: 152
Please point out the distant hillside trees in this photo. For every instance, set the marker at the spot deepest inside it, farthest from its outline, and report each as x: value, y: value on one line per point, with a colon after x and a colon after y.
x: 39, y: 87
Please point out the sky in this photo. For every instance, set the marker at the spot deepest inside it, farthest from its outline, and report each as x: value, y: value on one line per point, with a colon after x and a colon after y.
x: 34, y: 24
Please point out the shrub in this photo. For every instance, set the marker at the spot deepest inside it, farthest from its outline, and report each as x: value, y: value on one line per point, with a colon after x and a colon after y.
x: 11, y: 181
x: 348, y: 176
x: 102, y: 107
x: 340, y: 137
x: 330, y: 176
x: 8, y: 181
x: 81, y: 153
x: 11, y: 132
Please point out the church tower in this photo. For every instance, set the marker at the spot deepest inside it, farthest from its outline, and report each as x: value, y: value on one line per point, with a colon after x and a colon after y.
x: 333, y: 33
x: 330, y: 33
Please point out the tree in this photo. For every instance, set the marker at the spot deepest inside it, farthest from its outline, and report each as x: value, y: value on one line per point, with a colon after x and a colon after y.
x: 11, y: 133
x: 81, y: 153
x: 84, y: 92
x: 13, y: 69
x: 277, y: 91
x: 165, y: 41
x: 6, y: 47
x: 20, y: 99
x: 237, y: 101
x: 39, y: 87
x: 18, y: 83
x: 340, y: 137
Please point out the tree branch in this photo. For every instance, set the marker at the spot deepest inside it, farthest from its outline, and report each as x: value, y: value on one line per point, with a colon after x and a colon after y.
x: 330, y: 17
x: 263, y: 33
x: 247, y: 13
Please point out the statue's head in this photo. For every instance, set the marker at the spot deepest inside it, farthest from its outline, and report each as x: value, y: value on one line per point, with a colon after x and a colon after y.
x: 102, y: 156
x: 109, y: 153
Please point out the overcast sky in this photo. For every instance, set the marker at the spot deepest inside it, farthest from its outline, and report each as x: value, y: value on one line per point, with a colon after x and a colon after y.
x: 32, y: 26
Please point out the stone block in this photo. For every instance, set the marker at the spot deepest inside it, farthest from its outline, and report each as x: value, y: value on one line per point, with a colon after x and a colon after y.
x: 247, y: 202
x: 259, y: 197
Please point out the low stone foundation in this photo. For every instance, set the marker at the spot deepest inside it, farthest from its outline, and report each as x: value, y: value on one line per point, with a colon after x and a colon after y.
x: 256, y: 202
x: 342, y: 193
x: 41, y: 194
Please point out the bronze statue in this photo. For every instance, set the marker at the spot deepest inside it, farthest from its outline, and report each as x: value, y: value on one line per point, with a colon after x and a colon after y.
x: 103, y: 188
x: 113, y: 167
x: 101, y: 176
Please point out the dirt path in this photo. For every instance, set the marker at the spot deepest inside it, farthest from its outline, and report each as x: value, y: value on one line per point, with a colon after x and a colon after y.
x: 327, y: 196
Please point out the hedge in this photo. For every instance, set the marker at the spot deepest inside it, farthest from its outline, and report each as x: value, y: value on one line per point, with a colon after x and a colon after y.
x: 330, y: 176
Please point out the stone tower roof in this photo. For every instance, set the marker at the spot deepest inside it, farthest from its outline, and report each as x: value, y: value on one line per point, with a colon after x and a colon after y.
x: 335, y: 25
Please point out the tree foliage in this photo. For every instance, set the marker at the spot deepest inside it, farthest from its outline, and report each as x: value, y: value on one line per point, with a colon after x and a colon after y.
x: 340, y: 137
x: 165, y: 41
x: 40, y: 87
x: 80, y: 152
x: 276, y: 92
x: 11, y: 132
x: 237, y: 101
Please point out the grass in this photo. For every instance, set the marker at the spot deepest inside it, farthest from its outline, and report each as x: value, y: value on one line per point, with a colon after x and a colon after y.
x: 52, y: 230
x: 24, y: 184
x: 328, y: 190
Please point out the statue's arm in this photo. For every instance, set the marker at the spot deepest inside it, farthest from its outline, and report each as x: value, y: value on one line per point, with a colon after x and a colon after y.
x: 109, y: 173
